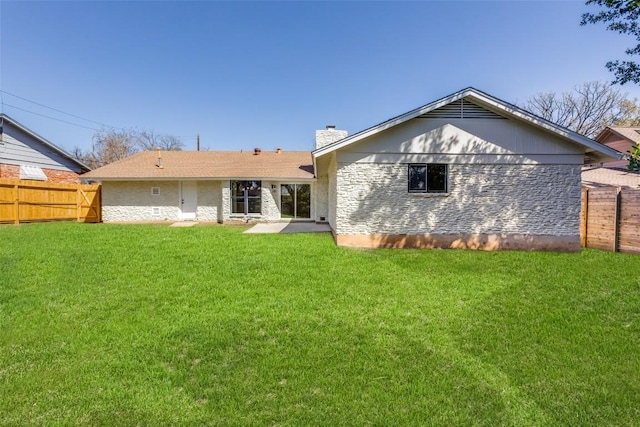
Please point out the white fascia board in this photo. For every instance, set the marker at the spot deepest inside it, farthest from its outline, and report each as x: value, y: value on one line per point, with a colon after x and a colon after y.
x: 508, y: 109
x: 512, y: 110
x: 243, y: 178
x: 389, y: 123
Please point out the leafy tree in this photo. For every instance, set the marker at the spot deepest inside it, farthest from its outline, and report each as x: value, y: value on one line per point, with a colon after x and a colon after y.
x: 634, y: 158
x: 621, y: 16
x: 587, y: 109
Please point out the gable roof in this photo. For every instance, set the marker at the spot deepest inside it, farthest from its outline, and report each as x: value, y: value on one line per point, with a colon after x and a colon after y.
x: 632, y: 133
x: 50, y: 145
x: 483, y: 99
x: 294, y: 165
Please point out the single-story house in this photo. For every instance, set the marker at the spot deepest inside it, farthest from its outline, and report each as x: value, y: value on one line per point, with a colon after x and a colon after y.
x: 467, y: 170
x: 216, y: 186
x: 26, y: 155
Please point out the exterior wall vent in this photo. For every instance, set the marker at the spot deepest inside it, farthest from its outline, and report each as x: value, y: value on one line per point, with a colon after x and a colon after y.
x: 32, y: 172
x: 461, y: 109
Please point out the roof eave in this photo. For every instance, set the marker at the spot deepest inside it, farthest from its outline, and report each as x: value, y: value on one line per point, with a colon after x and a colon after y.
x: 390, y: 123
x: 197, y: 178
x: 45, y: 141
x: 505, y: 107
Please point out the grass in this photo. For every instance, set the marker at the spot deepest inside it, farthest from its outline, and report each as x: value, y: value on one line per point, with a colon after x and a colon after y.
x: 149, y: 325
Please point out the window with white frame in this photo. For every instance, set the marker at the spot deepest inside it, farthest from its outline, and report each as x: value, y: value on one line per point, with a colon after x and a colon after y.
x: 428, y: 178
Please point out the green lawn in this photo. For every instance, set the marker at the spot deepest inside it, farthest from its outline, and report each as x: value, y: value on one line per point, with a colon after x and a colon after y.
x: 149, y: 325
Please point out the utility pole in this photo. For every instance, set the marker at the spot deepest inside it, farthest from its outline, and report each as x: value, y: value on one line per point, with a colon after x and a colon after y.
x: 198, y: 142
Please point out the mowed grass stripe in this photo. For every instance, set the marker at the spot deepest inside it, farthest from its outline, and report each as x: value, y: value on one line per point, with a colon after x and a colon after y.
x: 105, y: 324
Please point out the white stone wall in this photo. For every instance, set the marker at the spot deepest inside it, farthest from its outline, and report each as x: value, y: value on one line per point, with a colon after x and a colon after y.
x: 329, y: 136
x: 333, y: 192
x: 320, y: 193
x: 226, y: 200
x: 133, y: 201
x: 270, y: 201
x: 492, y: 199
x: 209, y: 201
x: 270, y: 210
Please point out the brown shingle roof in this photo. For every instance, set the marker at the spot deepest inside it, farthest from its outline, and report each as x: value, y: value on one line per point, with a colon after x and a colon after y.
x: 632, y: 133
x: 209, y: 165
x: 605, y: 177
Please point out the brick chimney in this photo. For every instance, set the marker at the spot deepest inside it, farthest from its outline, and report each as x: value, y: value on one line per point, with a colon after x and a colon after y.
x: 329, y: 135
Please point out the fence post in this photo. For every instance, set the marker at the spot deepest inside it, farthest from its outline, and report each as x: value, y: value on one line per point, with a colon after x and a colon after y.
x: 98, y: 203
x: 616, y: 221
x: 78, y: 204
x: 584, y: 215
x: 16, y: 204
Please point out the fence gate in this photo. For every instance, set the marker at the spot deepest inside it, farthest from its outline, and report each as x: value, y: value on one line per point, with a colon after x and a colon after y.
x: 90, y: 206
x: 29, y: 201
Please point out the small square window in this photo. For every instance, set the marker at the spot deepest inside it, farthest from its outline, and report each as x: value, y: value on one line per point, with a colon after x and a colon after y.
x: 428, y: 178
x: 155, y: 211
x: 155, y: 191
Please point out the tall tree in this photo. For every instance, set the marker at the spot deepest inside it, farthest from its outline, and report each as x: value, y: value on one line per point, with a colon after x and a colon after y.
x: 149, y: 140
x: 621, y: 16
x: 112, y: 145
x: 587, y: 109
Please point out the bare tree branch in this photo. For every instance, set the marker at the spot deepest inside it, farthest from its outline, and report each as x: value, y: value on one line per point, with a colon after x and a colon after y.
x: 588, y: 109
x: 113, y: 145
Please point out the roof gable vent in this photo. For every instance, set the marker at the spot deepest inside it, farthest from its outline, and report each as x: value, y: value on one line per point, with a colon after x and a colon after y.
x: 461, y: 109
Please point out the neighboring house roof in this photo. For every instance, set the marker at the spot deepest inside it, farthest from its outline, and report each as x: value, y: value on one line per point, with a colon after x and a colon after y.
x: 632, y: 133
x: 598, y: 150
x: 295, y: 165
x: 50, y: 145
x: 610, y: 177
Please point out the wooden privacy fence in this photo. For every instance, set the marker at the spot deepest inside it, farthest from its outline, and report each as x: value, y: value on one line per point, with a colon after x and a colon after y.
x: 26, y: 201
x: 610, y: 219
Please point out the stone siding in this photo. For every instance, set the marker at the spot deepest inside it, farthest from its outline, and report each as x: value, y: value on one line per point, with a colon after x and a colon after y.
x: 133, y: 201
x: 226, y: 200
x: 329, y: 136
x: 270, y: 201
x: 270, y: 210
x: 333, y: 192
x: 482, y: 199
x: 321, y: 192
x: 209, y: 201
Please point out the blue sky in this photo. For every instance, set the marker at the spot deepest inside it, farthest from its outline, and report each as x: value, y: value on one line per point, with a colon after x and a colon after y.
x: 267, y: 74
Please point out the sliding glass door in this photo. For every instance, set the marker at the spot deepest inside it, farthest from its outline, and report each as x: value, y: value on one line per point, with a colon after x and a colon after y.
x: 295, y: 201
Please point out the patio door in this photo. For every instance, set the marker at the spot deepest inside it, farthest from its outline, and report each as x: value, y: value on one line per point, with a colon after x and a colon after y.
x: 295, y: 201
x: 188, y: 200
